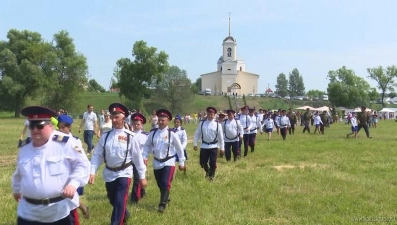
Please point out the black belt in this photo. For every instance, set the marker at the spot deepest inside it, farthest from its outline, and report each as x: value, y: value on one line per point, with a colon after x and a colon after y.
x: 165, y: 159
x: 116, y: 169
x: 253, y: 129
x: 45, y: 201
x: 210, y: 143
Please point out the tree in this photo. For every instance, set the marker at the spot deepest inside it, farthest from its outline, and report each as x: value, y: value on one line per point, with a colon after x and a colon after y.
x: 135, y: 76
x: 93, y: 86
x: 392, y: 95
x: 22, y: 58
x: 198, y: 84
x: 282, y: 85
x: 384, y: 78
x: 296, y: 85
x: 174, y: 89
x: 67, y: 75
x: 347, y: 89
x: 315, y: 93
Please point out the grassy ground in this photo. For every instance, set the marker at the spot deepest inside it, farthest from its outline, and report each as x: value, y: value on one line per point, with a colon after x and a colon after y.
x: 308, y: 179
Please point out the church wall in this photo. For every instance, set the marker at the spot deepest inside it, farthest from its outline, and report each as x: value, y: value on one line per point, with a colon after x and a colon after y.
x: 211, y: 81
x: 233, y: 47
x: 248, y: 83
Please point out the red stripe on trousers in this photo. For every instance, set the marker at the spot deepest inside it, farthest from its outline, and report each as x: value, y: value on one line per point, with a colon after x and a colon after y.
x: 76, y: 216
x: 170, y: 176
x: 125, y: 200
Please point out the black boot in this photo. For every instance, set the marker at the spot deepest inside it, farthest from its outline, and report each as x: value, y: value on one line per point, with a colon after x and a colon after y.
x: 211, y: 174
x: 206, y: 169
x: 163, y: 200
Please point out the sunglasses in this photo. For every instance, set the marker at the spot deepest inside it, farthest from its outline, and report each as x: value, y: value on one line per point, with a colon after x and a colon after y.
x: 37, y: 124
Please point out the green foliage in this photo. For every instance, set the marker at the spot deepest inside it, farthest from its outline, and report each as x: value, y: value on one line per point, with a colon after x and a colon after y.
x: 198, y: 84
x: 175, y: 89
x: 282, y: 85
x: 230, y: 102
x: 244, y: 100
x: 384, y: 78
x: 347, y: 89
x: 94, y: 86
x: 134, y: 77
x: 296, y: 85
x: 21, y: 75
x: 68, y: 76
x: 315, y: 93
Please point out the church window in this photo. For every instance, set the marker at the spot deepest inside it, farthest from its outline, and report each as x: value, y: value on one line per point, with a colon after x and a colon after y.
x: 229, y: 52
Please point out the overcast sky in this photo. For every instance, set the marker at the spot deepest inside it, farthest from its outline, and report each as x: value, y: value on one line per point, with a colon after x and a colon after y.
x: 272, y: 36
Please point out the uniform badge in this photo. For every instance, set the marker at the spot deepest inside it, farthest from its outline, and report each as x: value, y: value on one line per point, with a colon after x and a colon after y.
x: 77, y: 149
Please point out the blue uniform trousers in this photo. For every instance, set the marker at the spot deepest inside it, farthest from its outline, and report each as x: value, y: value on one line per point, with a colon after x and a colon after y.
x: 252, y: 141
x: 64, y: 221
x: 246, y: 143
x: 117, y: 193
x: 208, y: 155
x: 164, y: 177
x: 137, y: 191
x: 234, y: 148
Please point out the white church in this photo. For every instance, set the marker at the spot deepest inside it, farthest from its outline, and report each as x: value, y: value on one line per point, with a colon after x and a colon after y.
x: 230, y: 76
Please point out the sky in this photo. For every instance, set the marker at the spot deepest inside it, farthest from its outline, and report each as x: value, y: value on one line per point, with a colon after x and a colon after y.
x: 273, y: 37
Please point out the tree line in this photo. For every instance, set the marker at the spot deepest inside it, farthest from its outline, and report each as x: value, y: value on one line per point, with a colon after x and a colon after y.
x: 55, y: 74
x: 345, y: 88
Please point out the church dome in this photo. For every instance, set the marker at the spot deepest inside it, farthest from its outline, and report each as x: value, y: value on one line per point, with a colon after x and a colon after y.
x: 229, y: 38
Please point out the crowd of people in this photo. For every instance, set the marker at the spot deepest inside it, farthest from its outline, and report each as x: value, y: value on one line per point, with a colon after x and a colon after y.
x: 52, y: 166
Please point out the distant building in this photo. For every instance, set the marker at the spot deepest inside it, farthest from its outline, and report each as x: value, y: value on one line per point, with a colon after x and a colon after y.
x: 231, y: 76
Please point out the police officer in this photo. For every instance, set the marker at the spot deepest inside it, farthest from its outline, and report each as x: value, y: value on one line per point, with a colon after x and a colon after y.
x: 118, y: 149
x: 211, y: 135
x: 164, y: 144
x: 65, y: 126
x: 137, y: 122
x: 233, y: 132
x: 49, y: 170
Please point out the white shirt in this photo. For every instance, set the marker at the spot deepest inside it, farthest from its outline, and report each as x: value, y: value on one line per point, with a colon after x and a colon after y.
x: 115, y: 152
x: 256, y: 124
x: 43, y: 172
x: 141, y: 136
x: 283, y: 121
x: 101, y: 120
x: 353, y: 121
x: 209, y: 131
x: 26, y: 123
x: 89, y: 120
x: 317, y: 120
x: 181, y: 132
x: 269, y: 123
x: 232, y: 130
x: 160, y: 144
x: 106, y: 127
x: 246, y: 122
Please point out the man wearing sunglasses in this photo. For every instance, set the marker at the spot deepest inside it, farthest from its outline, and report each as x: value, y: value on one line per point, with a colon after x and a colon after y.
x: 118, y: 149
x: 49, y: 170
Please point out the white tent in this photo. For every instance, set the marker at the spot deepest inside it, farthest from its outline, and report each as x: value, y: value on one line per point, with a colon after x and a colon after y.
x: 358, y: 109
x: 305, y: 107
x: 323, y: 108
x: 386, y: 110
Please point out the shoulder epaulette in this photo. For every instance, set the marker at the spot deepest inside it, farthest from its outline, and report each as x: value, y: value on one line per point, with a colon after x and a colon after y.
x: 154, y: 129
x: 60, y: 138
x: 77, y: 138
x: 172, y: 129
x: 129, y: 132
x: 24, y: 142
x: 144, y: 132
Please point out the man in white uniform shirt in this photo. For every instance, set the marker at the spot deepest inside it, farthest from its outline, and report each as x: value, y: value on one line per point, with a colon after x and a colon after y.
x: 233, y: 132
x: 90, y: 127
x: 164, y: 144
x: 256, y: 125
x: 118, y: 149
x: 247, y: 124
x: 137, y: 122
x: 283, y: 123
x: 211, y: 135
x: 49, y: 170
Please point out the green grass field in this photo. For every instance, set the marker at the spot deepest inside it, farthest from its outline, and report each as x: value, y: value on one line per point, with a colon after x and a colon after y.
x: 308, y: 179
